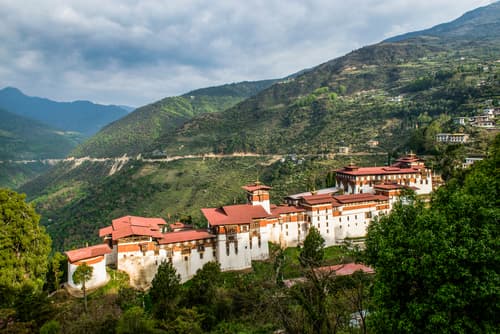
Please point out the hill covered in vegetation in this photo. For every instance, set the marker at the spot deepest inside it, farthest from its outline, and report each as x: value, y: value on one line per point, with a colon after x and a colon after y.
x: 135, y: 133
x: 25, y: 139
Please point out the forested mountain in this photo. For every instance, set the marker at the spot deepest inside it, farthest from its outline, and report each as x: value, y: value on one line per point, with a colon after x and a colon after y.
x: 135, y: 133
x: 79, y: 116
x: 25, y: 139
x: 397, y: 93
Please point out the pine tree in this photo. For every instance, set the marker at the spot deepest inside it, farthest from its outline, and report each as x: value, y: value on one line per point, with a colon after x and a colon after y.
x: 82, y: 275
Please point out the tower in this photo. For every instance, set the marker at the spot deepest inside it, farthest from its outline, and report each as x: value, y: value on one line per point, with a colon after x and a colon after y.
x: 258, y: 194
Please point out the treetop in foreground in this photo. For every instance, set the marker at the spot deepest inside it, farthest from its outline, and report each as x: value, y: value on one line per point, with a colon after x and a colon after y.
x: 438, y: 267
x: 24, y: 245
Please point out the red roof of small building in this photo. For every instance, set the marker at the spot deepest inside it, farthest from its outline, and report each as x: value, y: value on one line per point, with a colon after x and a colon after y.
x: 255, y: 187
x: 347, y: 269
x: 234, y: 214
x: 87, y: 252
x: 131, y: 225
x: 186, y: 235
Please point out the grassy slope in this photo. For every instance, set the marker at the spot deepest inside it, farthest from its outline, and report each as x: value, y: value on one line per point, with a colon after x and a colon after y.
x: 135, y: 133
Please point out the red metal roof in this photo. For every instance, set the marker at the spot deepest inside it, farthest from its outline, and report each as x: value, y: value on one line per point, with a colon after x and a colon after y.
x: 347, y: 269
x: 138, y: 221
x: 378, y: 171
x: 234, y: 214
x: 282, y: 209
x: 131, y: 225
x: 105, y: 231
x: 187, y: 235
x: 353, y: 198
x: 318, y: 199
x: 87, y: 252
x: 255, y: 187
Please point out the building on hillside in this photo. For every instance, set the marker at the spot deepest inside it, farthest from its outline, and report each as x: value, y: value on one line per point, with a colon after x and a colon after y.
x: 141, y: 244
x: 409, y: 171
x: 238, y: 234
x: 470, y: 160
x: 95, y: 257
x: 452, y: 138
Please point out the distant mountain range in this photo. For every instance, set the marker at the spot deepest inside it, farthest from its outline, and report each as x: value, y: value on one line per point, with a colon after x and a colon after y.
x: 84, y: 117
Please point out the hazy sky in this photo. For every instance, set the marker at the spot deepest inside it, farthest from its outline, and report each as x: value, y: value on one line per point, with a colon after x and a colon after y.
x: 136, y: 52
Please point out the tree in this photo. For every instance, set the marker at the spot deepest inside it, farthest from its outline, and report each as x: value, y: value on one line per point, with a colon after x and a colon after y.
x: 204, y: 293
x: 165, y: 291
x: 82, y: 275
x: 24, y: 246
x: 135, y: 321
x: 56, y: 271
x: 437, y: 268
x: 313, y: 252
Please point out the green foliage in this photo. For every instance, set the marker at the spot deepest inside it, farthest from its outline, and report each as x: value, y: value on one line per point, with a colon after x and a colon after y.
x: 82, y: 275
x: 129, y: 297
x: 312, y: 253
x: 56, y: 273
x: 135, y: 321
x: 51, y: 327
x: 437, y: 267
x: 24, y: 246
x: 204, y: 292
x: 165, y: 291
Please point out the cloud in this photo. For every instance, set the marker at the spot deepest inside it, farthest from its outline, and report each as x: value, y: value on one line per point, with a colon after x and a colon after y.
x: 135, y: 52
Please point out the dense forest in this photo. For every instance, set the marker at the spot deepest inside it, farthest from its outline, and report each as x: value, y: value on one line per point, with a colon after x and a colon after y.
x: 436, y: 270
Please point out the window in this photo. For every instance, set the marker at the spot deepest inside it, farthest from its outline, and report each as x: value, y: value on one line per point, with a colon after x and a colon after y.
x: 327, y: 231
x: 368, y: 214
x: 201, y: 248
x: 356, y: 217
x: 201, y: 256
x: 186, y: 258
x: 327, y: 224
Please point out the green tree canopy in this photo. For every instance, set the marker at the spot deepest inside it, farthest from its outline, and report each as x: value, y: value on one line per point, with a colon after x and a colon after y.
x: 313, y: 252
x: 24, y: 245
x: 165, y: 291
x: 437, y: 267
x: 82, y: 275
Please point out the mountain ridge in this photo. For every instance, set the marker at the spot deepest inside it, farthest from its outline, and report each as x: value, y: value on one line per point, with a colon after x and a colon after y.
x: 80, y: 116
x: 135, y: 133
x: 460, y: 27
